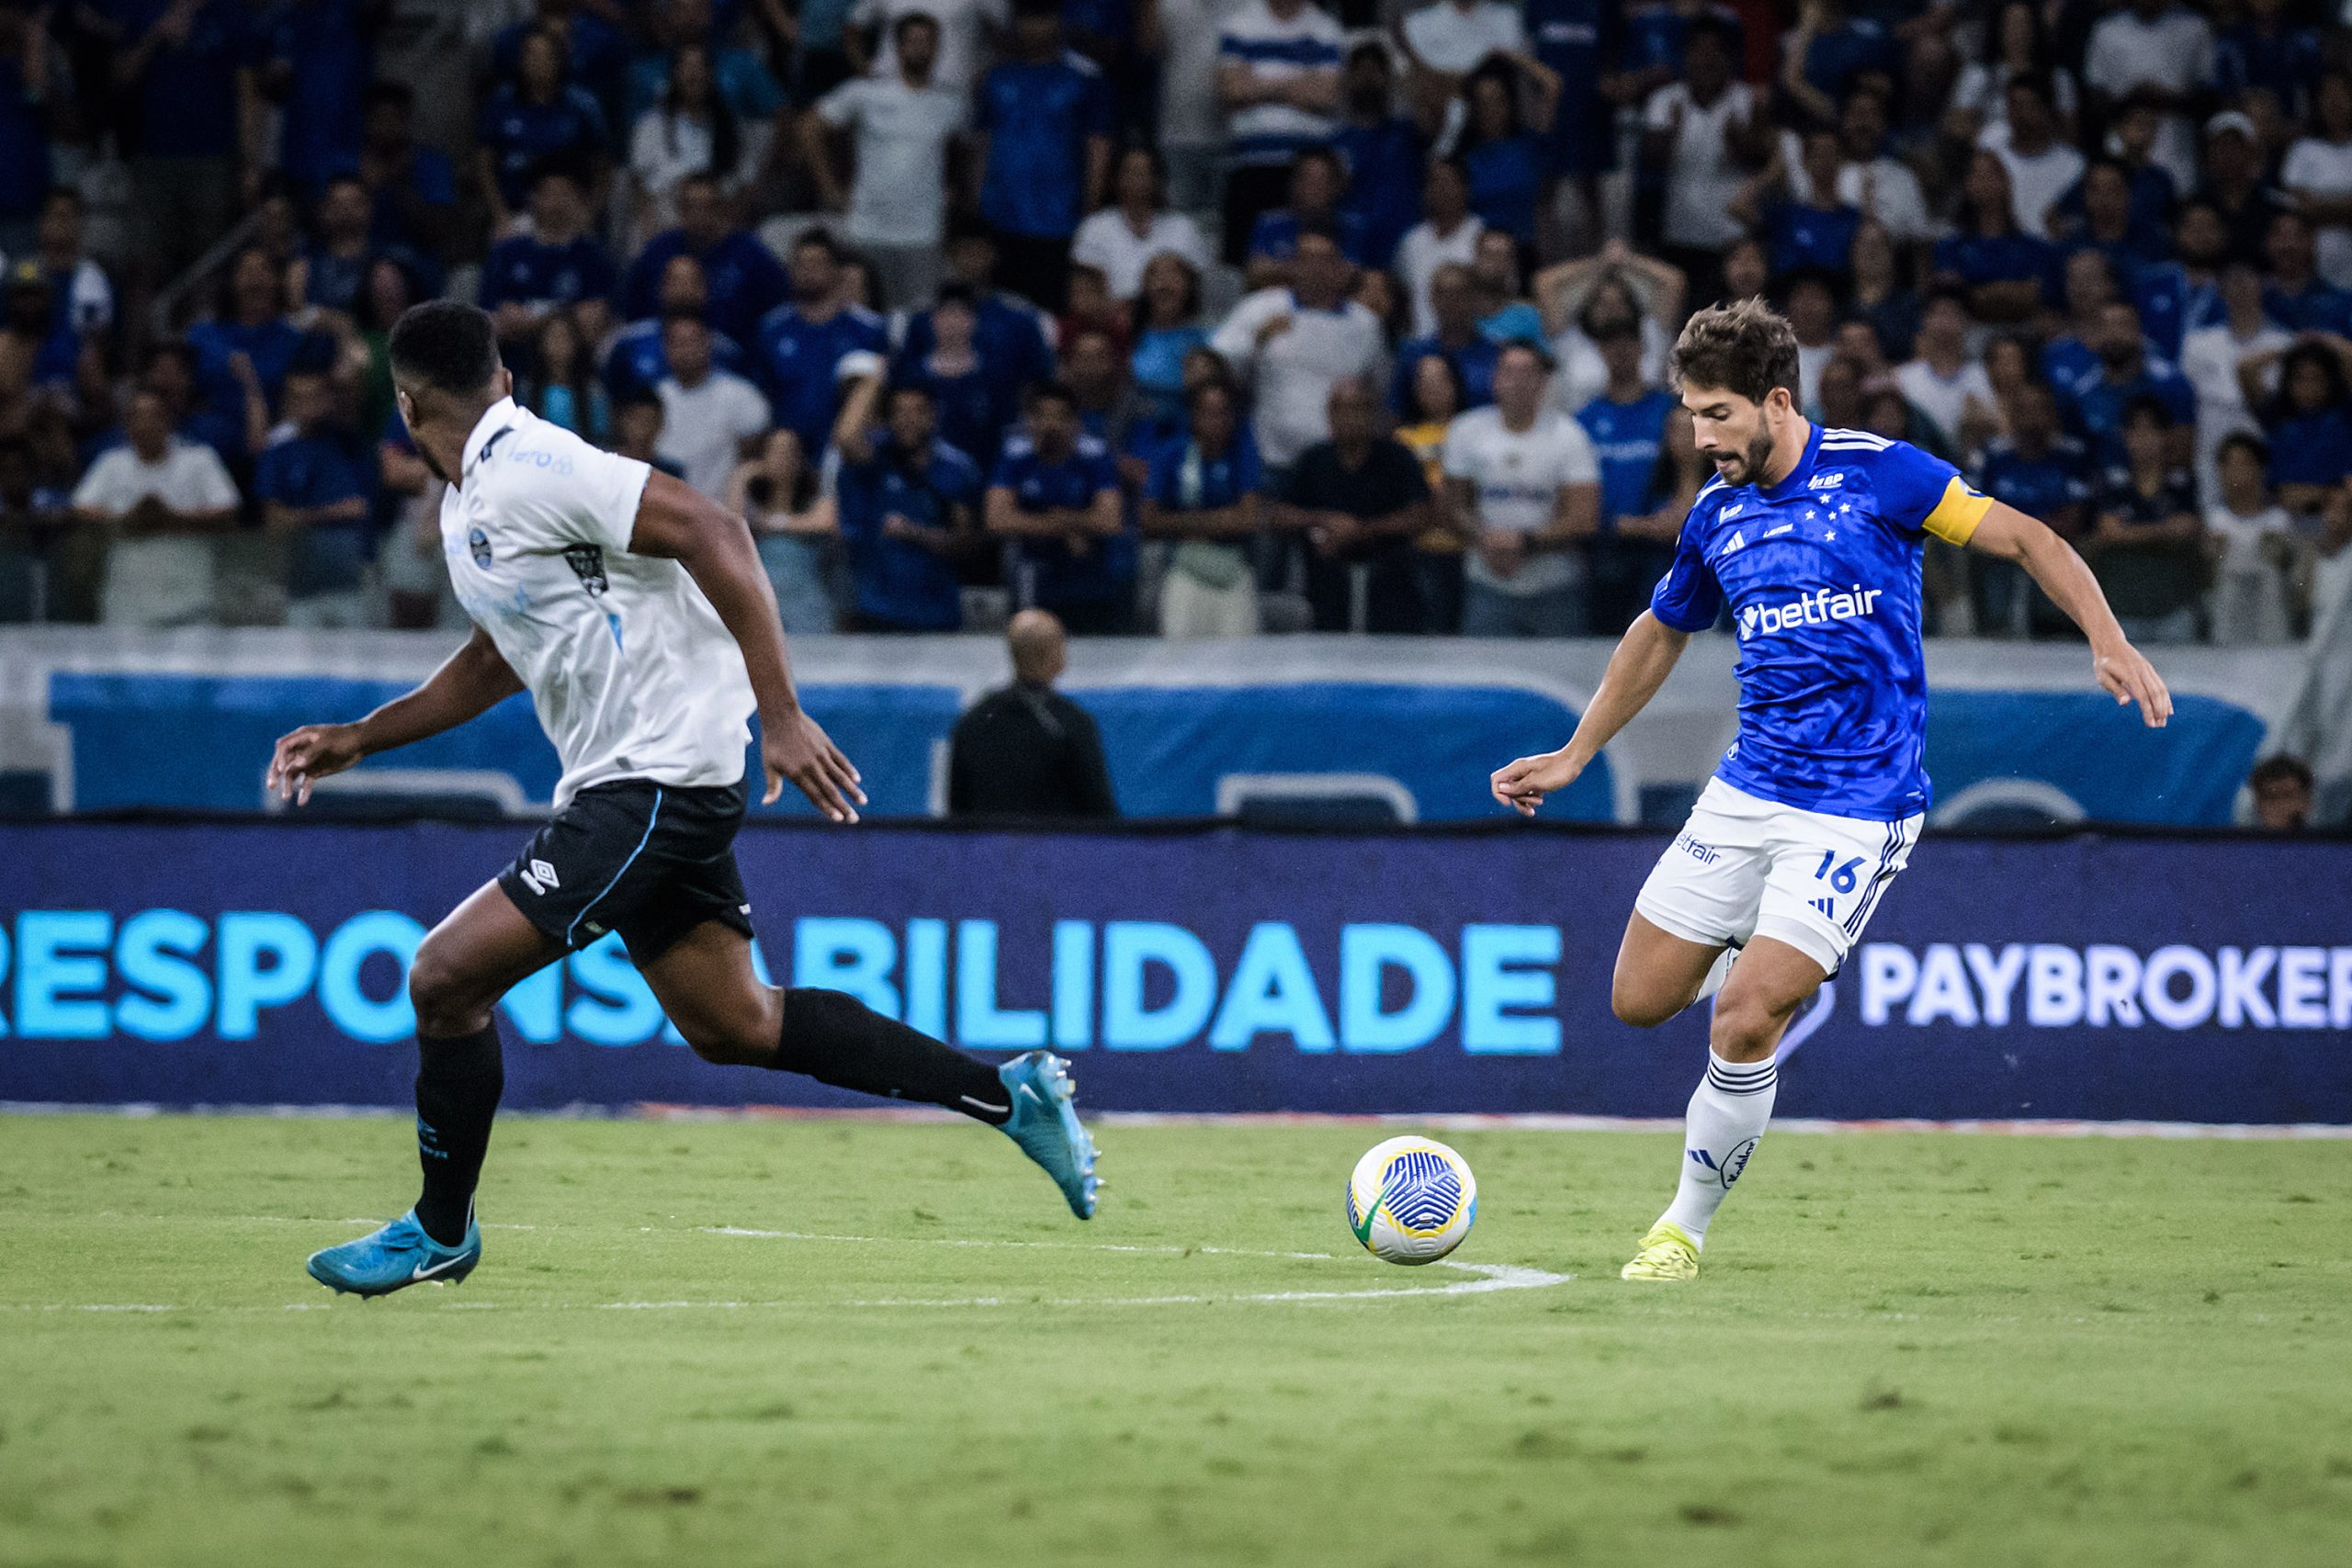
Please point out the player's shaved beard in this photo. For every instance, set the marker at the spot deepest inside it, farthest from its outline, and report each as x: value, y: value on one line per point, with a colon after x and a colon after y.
x: 1747, y: 468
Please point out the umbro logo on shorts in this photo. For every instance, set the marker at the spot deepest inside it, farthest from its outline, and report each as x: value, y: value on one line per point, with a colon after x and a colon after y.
x: 541, y: 878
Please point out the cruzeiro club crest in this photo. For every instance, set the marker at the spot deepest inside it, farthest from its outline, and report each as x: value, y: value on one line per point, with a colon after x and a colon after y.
x: 478, y: 543
x: 587, y: 564
x: 1736, y: 1161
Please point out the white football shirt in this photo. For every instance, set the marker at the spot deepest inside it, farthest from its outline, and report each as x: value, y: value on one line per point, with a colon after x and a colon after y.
x: 1517, y: 475
x: 632, y: 672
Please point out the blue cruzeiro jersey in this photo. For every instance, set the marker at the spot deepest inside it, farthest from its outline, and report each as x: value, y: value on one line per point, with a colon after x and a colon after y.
x: 1822, y: 574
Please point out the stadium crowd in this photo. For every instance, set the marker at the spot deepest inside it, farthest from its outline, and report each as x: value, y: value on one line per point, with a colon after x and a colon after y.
x: 1195, y: 317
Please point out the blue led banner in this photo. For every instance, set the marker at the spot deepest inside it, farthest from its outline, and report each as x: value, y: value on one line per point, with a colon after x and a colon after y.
x: 2203, y: 979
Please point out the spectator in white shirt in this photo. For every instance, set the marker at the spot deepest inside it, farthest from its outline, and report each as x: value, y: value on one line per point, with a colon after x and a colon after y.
x: 711, y: 419
x: 1448, y: 231
x: 968, y: 32
x: 1292, y: 344
x: 162, y: 503
x: 1525, y: 487
x: 900, y: 124
x: 2160, y: 51
x: 1700, y: 131
x: 1191, y: 120
x: 1445, y: 39
x: 2018, y: 45
x: 1122, y: 238
x: 1943, y: 383
x: 2214, y: 359
x: 1869, y: 180
x: 2318, y: 176
x: 2041, y: 168
x: 1278, y: 76
x: 690, y: 131
x: 2255, y: 550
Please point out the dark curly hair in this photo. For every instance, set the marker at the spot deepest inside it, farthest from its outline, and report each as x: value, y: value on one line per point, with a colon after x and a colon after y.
x: 1746, y: 347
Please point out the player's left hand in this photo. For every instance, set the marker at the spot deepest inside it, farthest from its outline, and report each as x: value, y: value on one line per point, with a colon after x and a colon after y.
x: 799, y: 750
x: 1523, y: 784
x: 2125, y: 671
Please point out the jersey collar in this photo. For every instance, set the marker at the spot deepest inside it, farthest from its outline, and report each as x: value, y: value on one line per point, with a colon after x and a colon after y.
x: 1792, y: 483
x: 497, y: 419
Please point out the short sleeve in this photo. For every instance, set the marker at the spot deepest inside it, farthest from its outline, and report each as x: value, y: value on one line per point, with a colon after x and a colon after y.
x: 1456, y: 454
x: 595, y: 503
x: 215, y: 490
x: 1688, y: 598
x: 1161, y: 484
x: 839, y: 106
x: 1659, y: 113
x: 270, y: 480
x: 97, y: 491
x: 1922, y: 493
x: 1578, y: 466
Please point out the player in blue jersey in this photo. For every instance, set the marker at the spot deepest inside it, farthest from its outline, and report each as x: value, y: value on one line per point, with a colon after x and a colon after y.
x: 1812, y: 539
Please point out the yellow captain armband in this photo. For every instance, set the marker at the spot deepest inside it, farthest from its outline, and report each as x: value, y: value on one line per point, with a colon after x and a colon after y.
x: 1957, y: 514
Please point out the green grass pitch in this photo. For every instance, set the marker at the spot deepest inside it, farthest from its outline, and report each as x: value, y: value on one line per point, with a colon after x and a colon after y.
x: 1915, y: 1349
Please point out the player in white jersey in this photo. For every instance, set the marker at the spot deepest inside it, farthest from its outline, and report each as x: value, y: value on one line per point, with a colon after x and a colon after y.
x: 635, y: 613
x: 1812, y: 539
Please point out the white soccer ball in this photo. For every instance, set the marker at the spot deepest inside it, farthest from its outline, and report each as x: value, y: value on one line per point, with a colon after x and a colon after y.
x: 1411, y: 1200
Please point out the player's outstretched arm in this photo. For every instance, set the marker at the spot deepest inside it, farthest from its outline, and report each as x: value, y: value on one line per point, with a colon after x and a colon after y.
x: 2009, y: 534
x: 714, y: 545
x: 469, y: 683
x: 1645, y: 654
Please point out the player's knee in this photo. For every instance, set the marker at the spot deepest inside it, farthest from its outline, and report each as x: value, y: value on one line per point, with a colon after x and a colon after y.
x: 1639, y: 1005
x: 1746, y: 1029
x: 730, y: 1045
x: 446, y: 1003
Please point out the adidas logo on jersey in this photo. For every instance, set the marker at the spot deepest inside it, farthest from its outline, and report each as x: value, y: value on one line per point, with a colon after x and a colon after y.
x: 1817, y: 608
x: 1738, y: 541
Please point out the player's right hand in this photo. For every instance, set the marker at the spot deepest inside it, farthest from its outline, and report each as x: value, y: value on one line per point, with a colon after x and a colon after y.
x: 1523, y: 784
x: 309, y: 754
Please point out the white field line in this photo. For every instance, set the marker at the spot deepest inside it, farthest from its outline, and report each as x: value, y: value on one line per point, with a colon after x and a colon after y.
x: 1485, y: 1279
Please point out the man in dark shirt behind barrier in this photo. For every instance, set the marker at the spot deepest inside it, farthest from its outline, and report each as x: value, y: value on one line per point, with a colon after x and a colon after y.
x: 1026, y: 751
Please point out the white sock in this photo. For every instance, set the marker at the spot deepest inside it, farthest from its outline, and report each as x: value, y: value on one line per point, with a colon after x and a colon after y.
x: 1728, y: 1113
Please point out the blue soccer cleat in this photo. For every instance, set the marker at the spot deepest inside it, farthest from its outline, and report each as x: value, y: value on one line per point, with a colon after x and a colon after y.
x: 1045, y: 1123
x: 395, y: 1257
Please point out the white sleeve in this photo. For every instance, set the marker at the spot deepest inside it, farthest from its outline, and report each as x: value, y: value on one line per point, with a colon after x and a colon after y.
x: 840, y: 107
x: 1456, y: 456
x: 1514, y: 38
x: 1091, y: 247
x: 2102, y: 70
x: 752, y: 415
x: 2300, y: 171
x: 2200, y: 54
x: 214, y: 489
x: 593, y: 503
x: 645, y: 151
x: 1578, y: 463
x: 1237, y: 340
x: 99, y: 489
x: 1659, y: 113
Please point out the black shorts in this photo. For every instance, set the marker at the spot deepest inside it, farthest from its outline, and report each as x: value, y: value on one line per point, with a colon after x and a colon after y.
x: 649, y: 861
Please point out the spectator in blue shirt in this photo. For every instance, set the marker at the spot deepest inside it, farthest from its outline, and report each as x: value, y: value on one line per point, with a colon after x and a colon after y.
x: 1204, y: 494
x: 1829, y: 49
x: 243, y: 357
x: 595, y: 52
x: 562, y: 387
x: 2309, y: 426
x: 2105, y: 221
x: 2267, y: 49
x: 321, y: 55
x: 1012, y: 334
x: 2067, y: 357
x: 25, y: 90
x: 333, y: 268
x: 1042, y: 120
x: 315, y: 485
x: 1055, y: 495
x: 1383, y: 153
x: 802, y: 342
x: 2126, y: 374
x: 906, y: 500
x: 559, y: 263
x: 541, y: 120
x: 743, y: 278
x: 974, y: 401
x: 1627, y: 424
x: 636, y: 357
x: 1504, y: 158
x: 2008, y: 273
x: 2297, y: 298
x: 413, y: 188
x: 179, y: 62
x: 1814, y: 234
x: 1453, y: 300
x: 2045, y: 473
x: 1317, y: 179
x: 1168, y: 331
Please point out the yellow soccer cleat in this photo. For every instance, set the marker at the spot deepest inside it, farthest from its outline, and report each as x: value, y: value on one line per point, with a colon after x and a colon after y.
x: 1667, y: 1252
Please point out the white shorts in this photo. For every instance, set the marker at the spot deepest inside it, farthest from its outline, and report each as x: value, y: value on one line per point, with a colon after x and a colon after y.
x: 1744, y: 867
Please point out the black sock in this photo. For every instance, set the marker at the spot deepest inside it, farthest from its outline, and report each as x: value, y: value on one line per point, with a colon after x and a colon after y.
x: 836, y: 1039
x: 458, y: 1084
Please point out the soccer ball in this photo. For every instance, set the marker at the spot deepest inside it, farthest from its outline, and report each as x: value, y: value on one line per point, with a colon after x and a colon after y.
x: 1411, y: 1200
